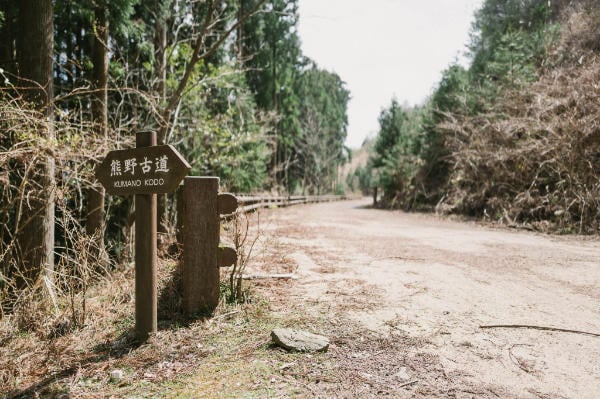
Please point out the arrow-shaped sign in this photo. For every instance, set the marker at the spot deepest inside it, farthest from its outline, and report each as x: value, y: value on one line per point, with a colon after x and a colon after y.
x: 147, y: 170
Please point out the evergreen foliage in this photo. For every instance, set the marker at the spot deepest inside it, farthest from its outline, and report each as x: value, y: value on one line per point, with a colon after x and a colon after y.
x: 310, y: 104
x: 318, y: 148
x: 486, y: 142
x: 508, y: 46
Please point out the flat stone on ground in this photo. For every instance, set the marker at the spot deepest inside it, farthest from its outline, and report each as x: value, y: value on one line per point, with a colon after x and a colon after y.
x: 300, y: 341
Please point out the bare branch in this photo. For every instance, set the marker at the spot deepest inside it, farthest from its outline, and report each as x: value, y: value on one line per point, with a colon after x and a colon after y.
x: 197, y: 56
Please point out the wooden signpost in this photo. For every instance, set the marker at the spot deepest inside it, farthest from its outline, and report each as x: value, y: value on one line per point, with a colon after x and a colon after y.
x: 145, y: 171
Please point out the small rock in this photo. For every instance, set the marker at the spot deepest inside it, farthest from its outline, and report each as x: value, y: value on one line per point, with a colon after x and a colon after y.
x: 402, y: 374
x: 366, y: 376
x: 116, y: 375
x: 300, y: 341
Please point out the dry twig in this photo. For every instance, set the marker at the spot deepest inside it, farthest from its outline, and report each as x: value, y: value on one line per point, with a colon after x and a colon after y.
x: 543, y: 328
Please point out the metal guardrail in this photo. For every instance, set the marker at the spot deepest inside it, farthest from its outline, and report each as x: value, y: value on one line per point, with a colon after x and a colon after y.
x: 251, y: 202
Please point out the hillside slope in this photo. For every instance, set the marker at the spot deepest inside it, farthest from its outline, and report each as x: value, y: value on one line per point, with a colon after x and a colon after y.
x: 533, y: 157
x: 515, y: 138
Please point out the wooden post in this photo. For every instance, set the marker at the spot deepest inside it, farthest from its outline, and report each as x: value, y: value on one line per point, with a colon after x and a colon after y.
x: 180, y: 210
x: 200, y: 273
x: 145, y: 254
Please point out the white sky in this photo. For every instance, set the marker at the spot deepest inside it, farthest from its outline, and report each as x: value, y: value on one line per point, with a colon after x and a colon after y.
x: 384, y: 48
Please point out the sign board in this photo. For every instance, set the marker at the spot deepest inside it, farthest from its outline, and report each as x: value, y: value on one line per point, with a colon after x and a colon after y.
x: 145, y: 170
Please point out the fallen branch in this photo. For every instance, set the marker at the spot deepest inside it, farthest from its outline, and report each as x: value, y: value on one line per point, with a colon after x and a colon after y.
x: 397, y: 257
x: 516, y: 360
x: 224, y: 315
x: 540, y: 328
x: 408, y: 383
x: 268, y: 276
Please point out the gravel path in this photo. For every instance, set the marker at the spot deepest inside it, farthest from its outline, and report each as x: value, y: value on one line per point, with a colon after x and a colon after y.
x: 434, y: 282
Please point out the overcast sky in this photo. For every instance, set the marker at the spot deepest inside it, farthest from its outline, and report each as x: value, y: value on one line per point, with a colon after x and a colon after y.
x: 384, y: 48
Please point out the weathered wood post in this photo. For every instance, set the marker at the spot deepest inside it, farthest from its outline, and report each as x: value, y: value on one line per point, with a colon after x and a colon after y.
x: 200, y: 273
x: 202, y: 253
x: 145, y: 254
x: 180, y: 212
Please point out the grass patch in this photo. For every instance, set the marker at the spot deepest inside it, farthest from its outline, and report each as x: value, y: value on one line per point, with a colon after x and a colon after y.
x: 228, y: 355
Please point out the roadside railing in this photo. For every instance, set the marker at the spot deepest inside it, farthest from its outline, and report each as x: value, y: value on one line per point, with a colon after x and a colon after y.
x: 252, y: 202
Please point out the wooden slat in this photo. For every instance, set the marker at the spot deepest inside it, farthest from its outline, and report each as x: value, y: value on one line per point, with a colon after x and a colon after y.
x: 227, y: 203
x: 227, y: 255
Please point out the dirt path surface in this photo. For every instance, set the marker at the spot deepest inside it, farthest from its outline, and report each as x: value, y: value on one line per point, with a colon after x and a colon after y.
x: 409, y: 293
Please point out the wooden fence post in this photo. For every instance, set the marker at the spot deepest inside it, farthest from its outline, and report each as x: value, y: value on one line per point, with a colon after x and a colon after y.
x: 180, y: 211
x: 200, y: 273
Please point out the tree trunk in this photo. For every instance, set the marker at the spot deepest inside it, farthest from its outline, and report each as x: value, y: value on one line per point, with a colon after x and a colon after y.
x: 7, y: 33
x: 35, y: 61
x: 240, y: 34
x: 161, y: 89
x: 70, y: 54
x: 275, y: 100
x: 95, y: 217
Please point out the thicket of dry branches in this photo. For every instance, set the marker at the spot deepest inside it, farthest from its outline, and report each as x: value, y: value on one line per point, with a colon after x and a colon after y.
x: 534, y: 158
x: 34, y: 303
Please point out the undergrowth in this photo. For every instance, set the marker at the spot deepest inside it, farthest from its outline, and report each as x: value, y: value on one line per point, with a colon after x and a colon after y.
x: 532, y: 158
x: 46, y: 360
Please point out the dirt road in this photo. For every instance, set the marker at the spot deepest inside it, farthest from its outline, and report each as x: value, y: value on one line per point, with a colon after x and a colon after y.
x: 411, y: 291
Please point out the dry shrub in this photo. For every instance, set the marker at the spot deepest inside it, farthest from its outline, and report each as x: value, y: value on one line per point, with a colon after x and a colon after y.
x: 534, y: 158
x: 580, y: 33
x: 238, y: 232
x: 40, y: 302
